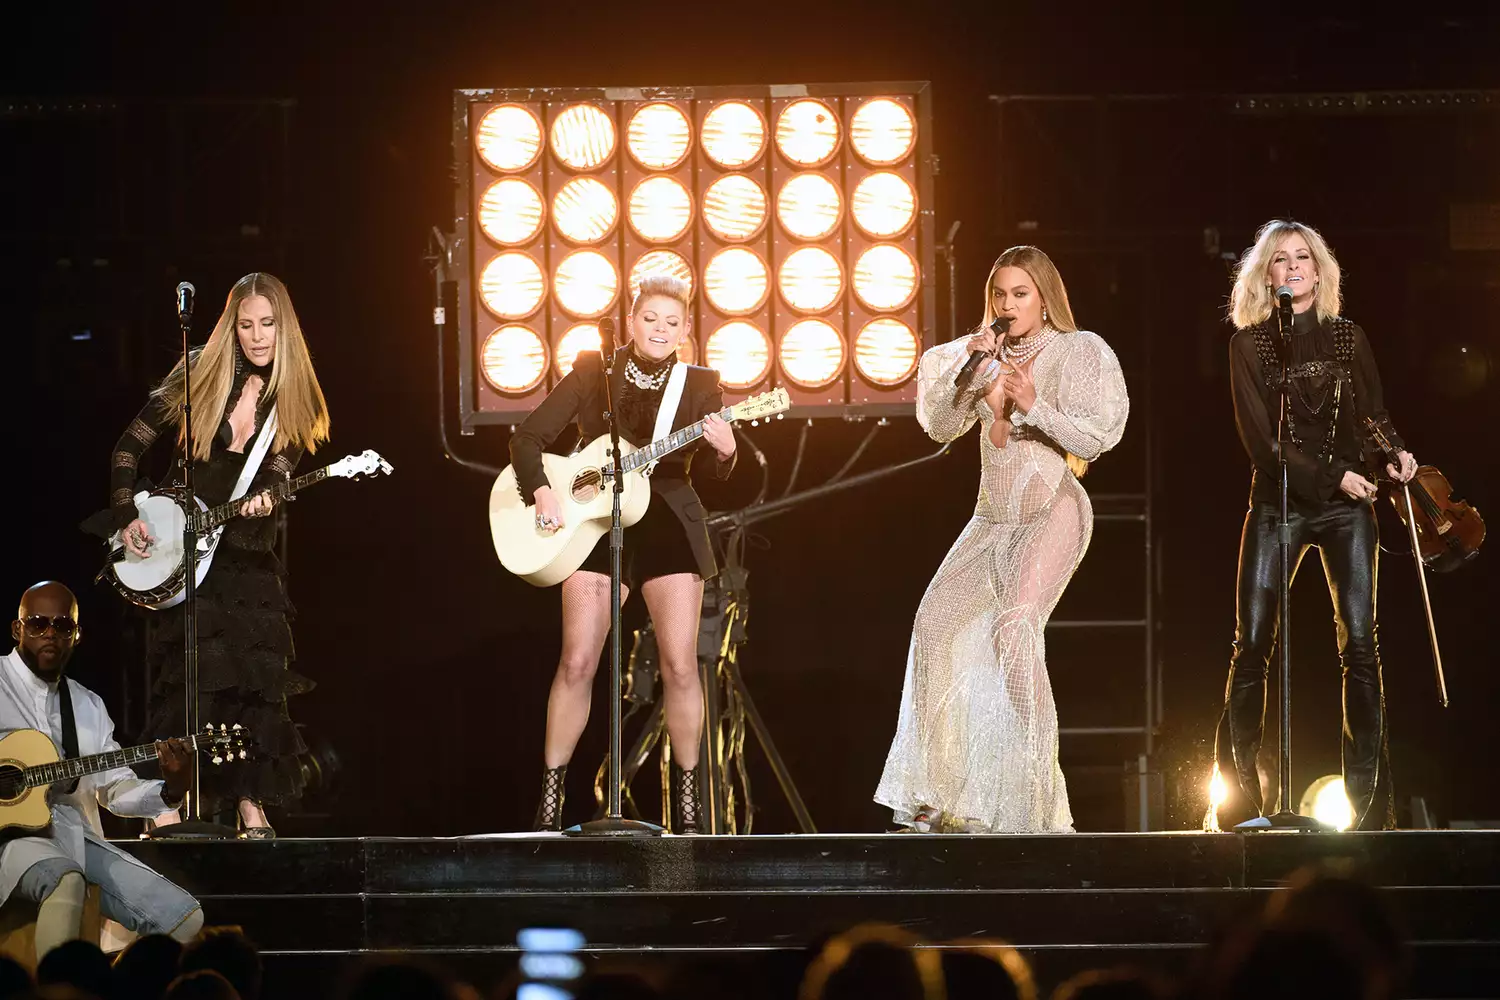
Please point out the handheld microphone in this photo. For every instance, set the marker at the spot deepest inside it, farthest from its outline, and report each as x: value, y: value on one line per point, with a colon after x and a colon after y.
x: 185, y: 293
x: 1000, y: 327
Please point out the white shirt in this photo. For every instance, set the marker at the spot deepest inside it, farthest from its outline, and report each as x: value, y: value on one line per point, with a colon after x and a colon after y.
x: 28, y: 702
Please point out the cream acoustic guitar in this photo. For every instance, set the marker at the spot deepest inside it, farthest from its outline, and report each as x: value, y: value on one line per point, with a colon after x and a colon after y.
x: 582, y: 484
x: 29, y: 764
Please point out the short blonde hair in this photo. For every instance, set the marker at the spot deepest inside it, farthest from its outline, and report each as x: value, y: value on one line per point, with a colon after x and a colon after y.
x: 1250, y: 302
x: 665, y: 286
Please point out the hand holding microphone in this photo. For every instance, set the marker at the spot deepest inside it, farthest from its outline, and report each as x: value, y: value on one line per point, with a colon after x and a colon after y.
x: 983, y: 345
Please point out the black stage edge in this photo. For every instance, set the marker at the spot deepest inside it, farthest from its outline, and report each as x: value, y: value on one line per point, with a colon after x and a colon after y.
x: 1070, y: 902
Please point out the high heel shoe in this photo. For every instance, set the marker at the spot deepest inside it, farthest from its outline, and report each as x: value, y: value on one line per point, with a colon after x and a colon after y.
x: 549, y: 810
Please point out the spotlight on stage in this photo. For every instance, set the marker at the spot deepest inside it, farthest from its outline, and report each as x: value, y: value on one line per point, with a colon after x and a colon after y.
x: 801, y: 215
x: 1326, y: 802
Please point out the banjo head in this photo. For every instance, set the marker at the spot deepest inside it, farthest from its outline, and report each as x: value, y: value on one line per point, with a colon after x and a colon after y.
x: 164, y: 561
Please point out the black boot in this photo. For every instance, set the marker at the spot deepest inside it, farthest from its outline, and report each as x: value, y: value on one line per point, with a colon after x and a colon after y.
x: 549, y: 810
x: 687, y: 801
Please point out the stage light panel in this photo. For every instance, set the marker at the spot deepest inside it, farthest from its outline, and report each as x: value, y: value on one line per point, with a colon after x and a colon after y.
x: 883, y: 131
x: 884, y: 205
x: 809, y: 206
x: 740, y: 352
x: 509, y: 137
x: 586, y: 284
x: 886, y: 351
x: 513, y: 359
x: 734, y: 135
x: 511, y: 212
x: 583, y: 137
x: 512, y: 285
x: 807, y: 133
x: 812, y: 353
x: 734, y: 207
x: 736, y: 281
x: 585, y: 211
x: 661, y: 209
x: 659, y: 136
x: 668, y: 262
x: 811, y: 279
x: 885, y: 277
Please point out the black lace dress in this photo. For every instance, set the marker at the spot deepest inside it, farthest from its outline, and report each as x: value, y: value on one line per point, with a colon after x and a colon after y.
x: 244, y: 635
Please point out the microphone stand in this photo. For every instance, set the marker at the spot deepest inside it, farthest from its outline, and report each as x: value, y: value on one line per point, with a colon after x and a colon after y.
x: 1285, y: 818
x: 193, y: 826
x: 614, y: 823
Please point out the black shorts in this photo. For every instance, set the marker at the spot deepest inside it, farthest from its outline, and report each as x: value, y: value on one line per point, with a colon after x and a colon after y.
x: 656, y: 545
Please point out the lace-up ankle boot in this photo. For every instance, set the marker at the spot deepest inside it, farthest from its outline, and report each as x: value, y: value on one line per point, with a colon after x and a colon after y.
x: 549, y: 810
x: 688, y: 805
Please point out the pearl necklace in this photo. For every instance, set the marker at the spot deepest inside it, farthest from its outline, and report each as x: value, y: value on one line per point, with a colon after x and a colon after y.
x: 641, y: 380
x: 1027, y: 347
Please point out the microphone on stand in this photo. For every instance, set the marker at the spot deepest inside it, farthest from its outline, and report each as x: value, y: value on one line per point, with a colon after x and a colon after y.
x: 1000, y: 327
x: 1284, y: 306
x: 607, y: 341
x: 185, y: 293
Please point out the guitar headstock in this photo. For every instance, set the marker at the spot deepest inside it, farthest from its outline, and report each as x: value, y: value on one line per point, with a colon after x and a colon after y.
x: 765, y: 405
x: 225, y: 743
x: 366, y: 463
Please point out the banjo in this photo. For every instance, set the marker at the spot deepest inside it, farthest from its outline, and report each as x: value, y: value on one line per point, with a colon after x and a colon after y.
x: 158, y: 579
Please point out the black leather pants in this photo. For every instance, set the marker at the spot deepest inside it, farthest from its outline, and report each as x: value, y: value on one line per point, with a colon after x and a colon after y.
x: 1345, y: 535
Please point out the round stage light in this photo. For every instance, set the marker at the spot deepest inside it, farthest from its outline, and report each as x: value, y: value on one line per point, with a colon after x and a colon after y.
x: 509, y: 137
x: 885, y: 277
x: 734, y: 207
x: 807, y: 133
x: 886, y: 351
x: 884, y: 205
x: 586, y: 283
x: 740, y: 352
x: 510, y: 212
x: 512, y: 285
x: 579, y: 338
x: 812, y: 353
x: 583, y: 136
x: 585, y: 210
x: 658, y: 136
x: 513, y: 359
x: 883, y: 131
x: 1326, y: 801
x: 809, y: 206
x: 668, y: 262
x: 736, y: 281
x: 811, y: 279
x: 660, y: 209
x: 734, y: 135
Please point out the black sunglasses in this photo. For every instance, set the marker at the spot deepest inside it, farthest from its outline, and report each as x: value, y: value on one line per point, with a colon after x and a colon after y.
x: 36, y: 625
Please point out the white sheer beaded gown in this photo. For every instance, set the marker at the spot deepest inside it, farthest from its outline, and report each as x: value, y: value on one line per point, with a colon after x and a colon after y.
x: 976, y: 741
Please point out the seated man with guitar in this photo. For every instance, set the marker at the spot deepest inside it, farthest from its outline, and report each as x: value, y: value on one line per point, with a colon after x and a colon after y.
x: 667, y: 553
x: 53, y: 844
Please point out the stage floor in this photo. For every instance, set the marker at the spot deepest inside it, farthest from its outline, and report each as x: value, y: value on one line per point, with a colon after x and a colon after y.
x: 1070, y: 902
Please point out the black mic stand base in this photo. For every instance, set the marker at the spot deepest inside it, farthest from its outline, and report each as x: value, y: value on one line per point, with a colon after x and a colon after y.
x: 615, y: 826
x: 192, y: 829
x: 1284, y: 821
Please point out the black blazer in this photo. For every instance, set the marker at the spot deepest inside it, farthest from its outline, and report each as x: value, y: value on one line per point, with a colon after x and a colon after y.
x: 580, y: 396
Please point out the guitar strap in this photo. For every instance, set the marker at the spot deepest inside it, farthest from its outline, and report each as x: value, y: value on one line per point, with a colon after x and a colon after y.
x: 69, y: 731
x: 257, y: 455
x: 671, y: 397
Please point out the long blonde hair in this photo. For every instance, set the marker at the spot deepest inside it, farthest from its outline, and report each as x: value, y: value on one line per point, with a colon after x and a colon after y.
x: 1049, y: 285
x: 301, y: 411
x: 1250, y: 302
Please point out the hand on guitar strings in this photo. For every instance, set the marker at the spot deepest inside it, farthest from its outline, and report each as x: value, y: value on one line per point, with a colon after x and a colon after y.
x: 548, y: 513
x: 719, y: 435
x: 1407, y: 470
x: 137, y: 537
x: 259, y: 505
x: 176, y: 760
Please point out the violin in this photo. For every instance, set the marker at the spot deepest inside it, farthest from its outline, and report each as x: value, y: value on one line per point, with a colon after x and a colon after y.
x: 1447, y: 531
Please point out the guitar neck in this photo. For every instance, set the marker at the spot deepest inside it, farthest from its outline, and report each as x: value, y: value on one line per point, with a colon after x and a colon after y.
x: 658, y: 450
x: 68, y: 770
x: 210, y: 519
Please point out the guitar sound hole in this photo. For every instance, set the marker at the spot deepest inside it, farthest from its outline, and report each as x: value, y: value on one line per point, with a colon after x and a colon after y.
x: 586, y: 485
x: 12, y: 784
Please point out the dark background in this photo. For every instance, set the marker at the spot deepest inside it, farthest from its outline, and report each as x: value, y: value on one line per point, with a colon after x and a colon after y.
x: 202, y: 142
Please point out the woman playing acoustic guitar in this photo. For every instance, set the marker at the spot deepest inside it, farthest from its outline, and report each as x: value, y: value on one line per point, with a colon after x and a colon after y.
x: 667, y: 554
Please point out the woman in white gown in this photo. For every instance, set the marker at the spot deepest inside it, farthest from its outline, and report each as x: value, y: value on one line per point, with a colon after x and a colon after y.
x: 976, y: 743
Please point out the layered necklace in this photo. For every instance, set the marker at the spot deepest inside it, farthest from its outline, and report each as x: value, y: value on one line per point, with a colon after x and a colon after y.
x: 648, y: 381
x: 1016, y: 351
